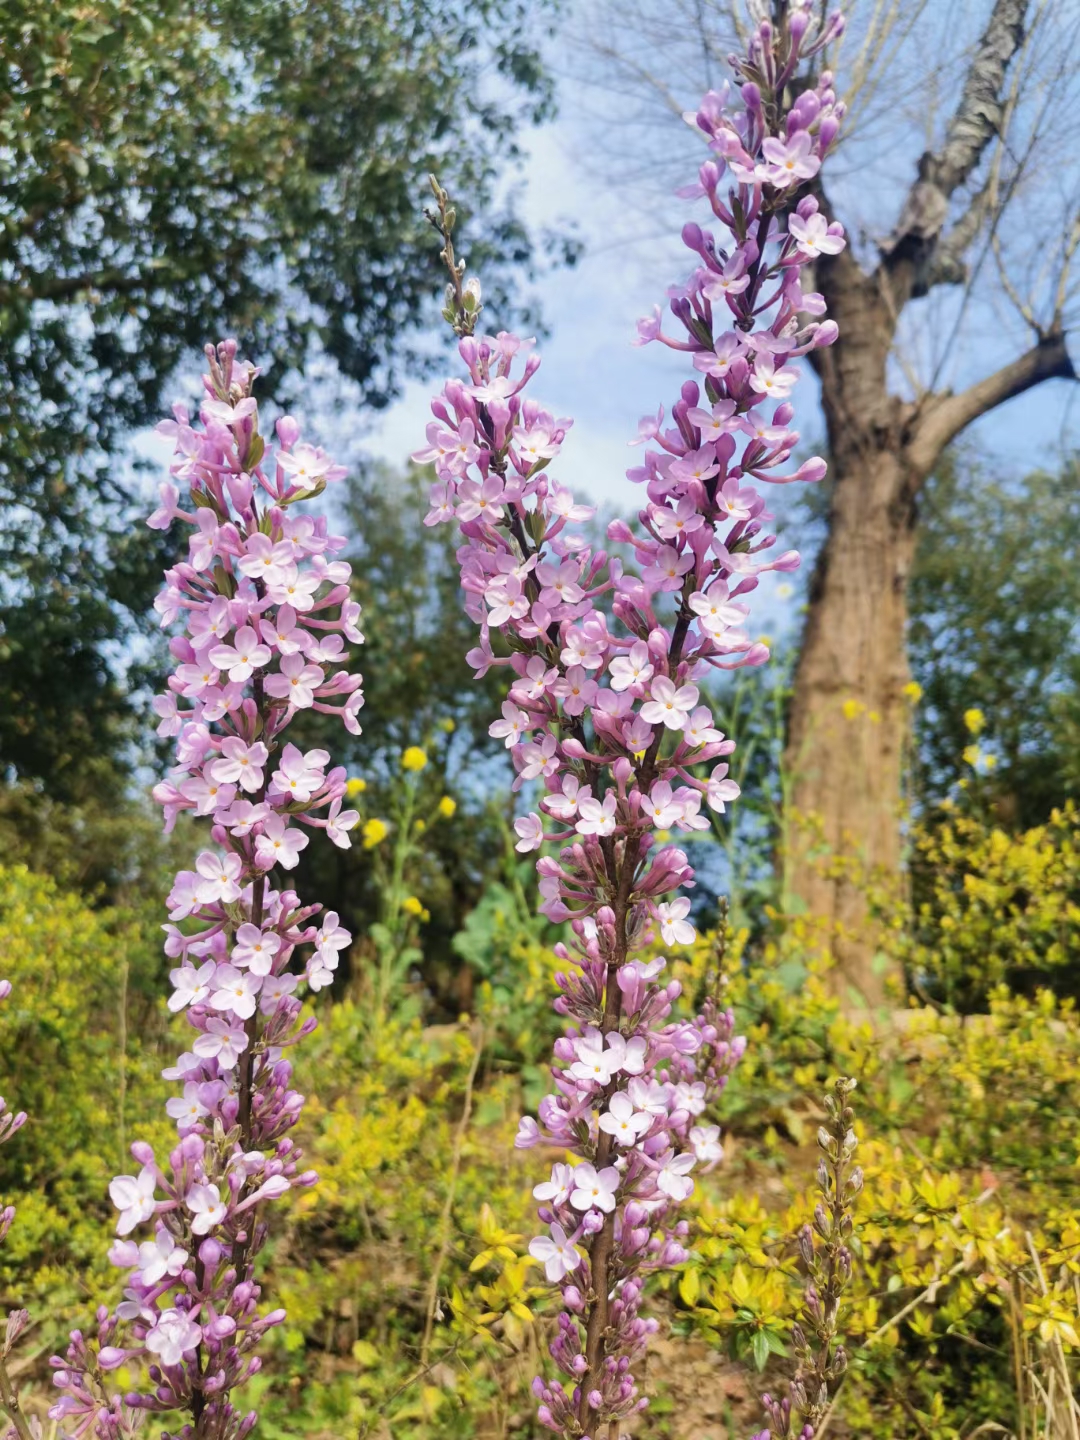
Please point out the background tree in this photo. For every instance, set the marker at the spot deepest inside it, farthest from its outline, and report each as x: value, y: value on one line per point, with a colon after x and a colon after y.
x: 994, y: 600
x: 419, y: 691
x: 976, y: 99
x: 171, y: 171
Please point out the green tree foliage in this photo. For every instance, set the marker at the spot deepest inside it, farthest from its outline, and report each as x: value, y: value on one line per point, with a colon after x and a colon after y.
x: 995, y: 615
x: 172, y: 171
x: 418, y: 690
x: 111, y: 854
x: 416, y: 634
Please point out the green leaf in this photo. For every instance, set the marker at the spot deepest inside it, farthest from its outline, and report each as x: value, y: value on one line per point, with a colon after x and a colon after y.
x: 760, y: 1348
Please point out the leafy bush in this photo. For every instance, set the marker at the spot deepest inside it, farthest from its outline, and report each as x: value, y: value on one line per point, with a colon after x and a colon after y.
x: 412, y: 1135
x: 992, y: 907
x: 414, y: 1309
x: 965, y: 1298
x: 82, y: 1062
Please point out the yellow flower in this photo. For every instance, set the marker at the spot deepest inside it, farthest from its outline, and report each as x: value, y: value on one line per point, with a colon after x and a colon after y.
x: 852, y: 709
x: 419, y: 826
x: 355, y: 787
x: 974, y: 720
x: 412, y: 906
x: 374, y: 831
x: 972, y: 755
x: 414, y: 758
x: 447, y: 725
x: 989, y: 761
x: 447, y: 806
x: 913, y: 691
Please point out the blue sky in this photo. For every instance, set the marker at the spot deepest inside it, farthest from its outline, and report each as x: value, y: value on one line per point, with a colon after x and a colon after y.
x: 593, y: 372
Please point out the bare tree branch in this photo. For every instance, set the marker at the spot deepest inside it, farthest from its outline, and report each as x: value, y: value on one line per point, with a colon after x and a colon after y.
x: 63, y: 287
x: 1068, y: 255
x: 974, y: 125
x: 942, y: 417
x: 948, y: 264
x: 890, y: 27
x: 979, y: 113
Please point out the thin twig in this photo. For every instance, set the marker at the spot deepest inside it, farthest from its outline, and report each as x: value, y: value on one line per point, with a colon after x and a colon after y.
x: 381, y: 1409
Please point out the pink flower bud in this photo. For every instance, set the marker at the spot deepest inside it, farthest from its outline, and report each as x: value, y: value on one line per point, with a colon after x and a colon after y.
x: 288, y: 431
x: 210, y: 1253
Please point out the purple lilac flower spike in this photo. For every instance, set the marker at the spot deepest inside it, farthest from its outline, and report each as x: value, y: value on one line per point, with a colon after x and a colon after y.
x: 267, y: 616
x: 603, y: 706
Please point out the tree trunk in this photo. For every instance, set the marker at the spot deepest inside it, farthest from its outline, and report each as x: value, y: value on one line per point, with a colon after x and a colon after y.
x: 848, y: 720
x: 847, y: 724
x: 849, y: 715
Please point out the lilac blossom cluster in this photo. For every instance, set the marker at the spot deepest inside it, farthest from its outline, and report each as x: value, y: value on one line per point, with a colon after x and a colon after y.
x: 604, y: 704
x: 267, y: 614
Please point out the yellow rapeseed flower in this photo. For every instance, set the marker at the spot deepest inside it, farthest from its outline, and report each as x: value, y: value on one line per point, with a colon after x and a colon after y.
x: 374, y: 832
x: 447, y: 725
x: 447, y: 806
x: 412, y: 906
x: 419, y: 826
x: 852, y: 709
x: 972, y: 755
x: 355, y: 787
x: 414, y: 758
x: 913, y: 691
x: 974, y: 720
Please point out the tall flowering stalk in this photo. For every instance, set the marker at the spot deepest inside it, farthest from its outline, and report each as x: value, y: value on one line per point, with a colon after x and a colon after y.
x: 824, y: 1248
x: 267, y: 614
x: 603, y: 707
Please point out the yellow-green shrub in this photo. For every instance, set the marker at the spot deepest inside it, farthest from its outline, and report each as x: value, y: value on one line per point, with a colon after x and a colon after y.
x: 969, y: 1246
x: 991, y: 906
x: 954, y: 1293
x: 76, y: 1041
x: 407, y: 1221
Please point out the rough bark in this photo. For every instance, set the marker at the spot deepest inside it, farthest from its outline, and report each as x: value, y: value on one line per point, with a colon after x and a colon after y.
x: 846, y: 760
x: 845, y: 768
